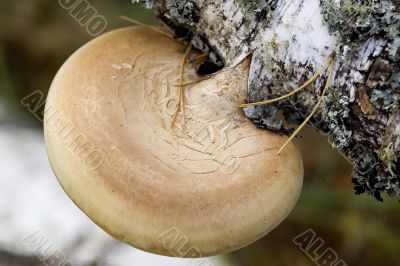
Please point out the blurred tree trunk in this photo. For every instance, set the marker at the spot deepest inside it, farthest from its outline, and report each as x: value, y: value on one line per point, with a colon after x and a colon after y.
x: 288, y: 41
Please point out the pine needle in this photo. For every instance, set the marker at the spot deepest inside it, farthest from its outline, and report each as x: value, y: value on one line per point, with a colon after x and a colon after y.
x: 155, y: 29
x: 200, y: 57
x: 328, y: 81
x: 182, y: 71
x: 308, y: 82
x: 181, y: 85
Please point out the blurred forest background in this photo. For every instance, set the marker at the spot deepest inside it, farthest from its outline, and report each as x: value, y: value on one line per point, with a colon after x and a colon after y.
x: 36, y: 37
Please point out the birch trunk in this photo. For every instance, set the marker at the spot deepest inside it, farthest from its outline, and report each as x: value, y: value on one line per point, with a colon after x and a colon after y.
x: 288, y: 41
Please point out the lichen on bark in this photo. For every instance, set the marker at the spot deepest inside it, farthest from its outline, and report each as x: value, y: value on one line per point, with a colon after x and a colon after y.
x: 288, y: 41
x: 369, y: 37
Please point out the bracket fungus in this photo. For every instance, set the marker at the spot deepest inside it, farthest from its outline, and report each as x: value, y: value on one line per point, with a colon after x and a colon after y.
x: 211, y: 174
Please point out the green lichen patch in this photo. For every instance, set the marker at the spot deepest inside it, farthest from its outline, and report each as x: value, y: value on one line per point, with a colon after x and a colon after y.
x: 336, y: 111
x: 258, y: 10
x: 389, y: 157
x: 352, y: 22
x: 353, y: 8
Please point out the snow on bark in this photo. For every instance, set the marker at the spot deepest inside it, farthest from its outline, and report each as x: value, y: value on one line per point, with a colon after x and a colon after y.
x: 289, y: 40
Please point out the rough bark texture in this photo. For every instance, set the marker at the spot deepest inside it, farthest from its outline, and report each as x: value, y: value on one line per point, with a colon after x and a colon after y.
x: 289, y: 40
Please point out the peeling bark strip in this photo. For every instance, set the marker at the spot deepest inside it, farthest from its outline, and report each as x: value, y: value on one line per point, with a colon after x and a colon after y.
x: 289, y: 40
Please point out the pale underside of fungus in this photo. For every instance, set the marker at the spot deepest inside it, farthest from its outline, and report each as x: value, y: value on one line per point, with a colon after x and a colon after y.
x: 144, y: 169
x: 288, y: 41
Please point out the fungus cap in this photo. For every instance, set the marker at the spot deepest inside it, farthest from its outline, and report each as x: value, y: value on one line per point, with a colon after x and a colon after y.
x: 212, y: 180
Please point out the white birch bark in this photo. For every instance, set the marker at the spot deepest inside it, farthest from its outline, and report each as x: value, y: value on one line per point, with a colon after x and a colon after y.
x: 289, y: 40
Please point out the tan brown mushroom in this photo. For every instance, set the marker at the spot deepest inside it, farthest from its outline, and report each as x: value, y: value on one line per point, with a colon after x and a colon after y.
x: 213, y: 179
